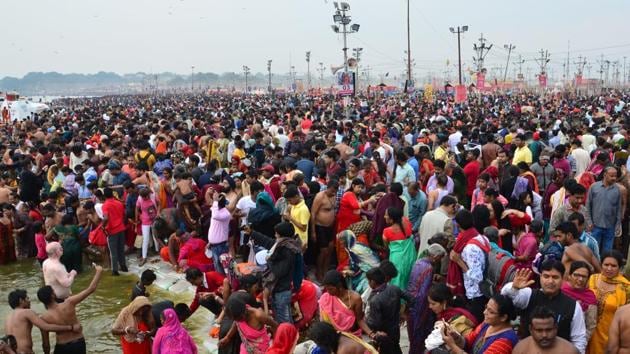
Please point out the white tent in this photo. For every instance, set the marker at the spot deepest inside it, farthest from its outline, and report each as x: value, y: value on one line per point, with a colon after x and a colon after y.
x: 23, y: 109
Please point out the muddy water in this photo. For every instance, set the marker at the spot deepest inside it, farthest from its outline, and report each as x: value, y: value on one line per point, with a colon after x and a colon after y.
x: 98, y: 312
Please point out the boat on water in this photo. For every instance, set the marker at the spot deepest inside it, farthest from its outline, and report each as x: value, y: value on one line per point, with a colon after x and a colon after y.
x: 20, y: 108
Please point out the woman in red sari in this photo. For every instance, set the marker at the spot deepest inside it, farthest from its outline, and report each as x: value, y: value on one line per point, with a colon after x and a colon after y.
x: 134, y: 325
x: 350, y: 212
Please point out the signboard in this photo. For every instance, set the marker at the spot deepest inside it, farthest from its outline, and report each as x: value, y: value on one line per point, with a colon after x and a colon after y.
x: 481, y: 81
x: 428, y: 93
x: 542, y: 80
x: 461, y: 94
x: 578, y: 80
x: 345, y: 83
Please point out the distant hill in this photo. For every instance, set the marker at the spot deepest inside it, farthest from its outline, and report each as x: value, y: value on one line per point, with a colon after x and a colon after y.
x: 102, y: 83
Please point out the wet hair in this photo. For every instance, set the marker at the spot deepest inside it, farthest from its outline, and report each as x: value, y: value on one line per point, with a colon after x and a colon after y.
x: 16, y: 296
x: 46, y: 295
x: 193, y: 273
x: 506, y: 306
x: 148, y: 277
x: 579, y: 264
x: 325, y: 336
x: 613, y: 254
x: 334, y: 278
x: 389, y: 269
x: 235, y: 307
x: 553, y: 264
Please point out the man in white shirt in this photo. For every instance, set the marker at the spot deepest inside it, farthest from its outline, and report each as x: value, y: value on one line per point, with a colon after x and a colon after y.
x: 282, y: 138
x: 580, y: 156
x: 569, y: 315
x: 472, y: 261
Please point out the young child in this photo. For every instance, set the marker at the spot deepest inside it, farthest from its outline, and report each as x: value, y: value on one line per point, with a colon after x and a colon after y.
x: 40, y: 241
x: 140, y: 289
x: 184, y: 192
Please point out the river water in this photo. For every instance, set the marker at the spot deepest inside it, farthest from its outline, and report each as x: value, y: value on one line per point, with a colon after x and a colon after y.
x: 98, y: 312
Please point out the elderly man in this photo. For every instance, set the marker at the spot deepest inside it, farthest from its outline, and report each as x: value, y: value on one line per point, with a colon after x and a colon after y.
x: 437, y: 220
x: 55, y: 273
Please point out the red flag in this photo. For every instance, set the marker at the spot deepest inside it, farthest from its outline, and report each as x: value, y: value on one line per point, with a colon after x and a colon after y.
x: 460, y: 93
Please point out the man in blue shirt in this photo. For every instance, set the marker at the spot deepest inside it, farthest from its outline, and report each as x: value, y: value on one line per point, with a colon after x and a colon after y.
x: 306, y: 165
x: 416, y: 205
x: 412, y: 161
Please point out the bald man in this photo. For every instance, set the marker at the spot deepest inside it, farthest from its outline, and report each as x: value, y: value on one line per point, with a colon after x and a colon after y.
x: 55, y: 273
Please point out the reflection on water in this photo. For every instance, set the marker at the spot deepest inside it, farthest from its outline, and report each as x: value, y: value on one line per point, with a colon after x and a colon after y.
x: 98, y: 312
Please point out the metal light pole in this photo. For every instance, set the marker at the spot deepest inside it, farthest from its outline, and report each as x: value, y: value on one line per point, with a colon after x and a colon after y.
x: 509, y: 48
x: 408, y: 46
x: 192, y: 78
x: 341, y: 17
x: 269, y: 71
x: 308, y: 71
x: 321, y: 73
x: 246, y: 71
x: 459, y: 31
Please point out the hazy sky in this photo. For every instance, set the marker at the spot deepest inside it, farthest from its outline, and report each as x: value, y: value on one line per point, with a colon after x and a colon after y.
x: 123, y: 36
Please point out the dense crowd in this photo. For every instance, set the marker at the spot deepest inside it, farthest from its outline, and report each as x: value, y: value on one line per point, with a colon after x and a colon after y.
x: 497, y: 225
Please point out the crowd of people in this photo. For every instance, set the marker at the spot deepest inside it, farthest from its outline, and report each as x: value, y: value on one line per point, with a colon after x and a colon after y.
x: 497, y: 225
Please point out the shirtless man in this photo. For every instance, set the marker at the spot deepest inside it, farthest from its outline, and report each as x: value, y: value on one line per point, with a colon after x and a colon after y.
x: 323, y: 225
x: 64, y: 314
x: 619, y: 332
x: 5, y: 192
x: 567, y: 234
x: 55, y: 273
x: 19, y: 323
x: 544, y: 336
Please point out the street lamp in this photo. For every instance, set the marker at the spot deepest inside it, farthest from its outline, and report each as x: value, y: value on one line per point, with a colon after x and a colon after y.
x: 341, y: 17
x: 269, y: 71
x: 246, y: 71
x: 459, y: 31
